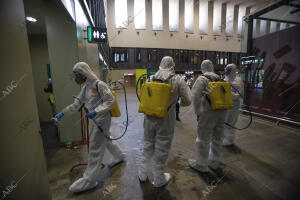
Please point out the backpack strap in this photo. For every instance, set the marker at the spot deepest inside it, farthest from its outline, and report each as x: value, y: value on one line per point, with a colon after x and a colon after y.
x: 97, y: 88
x: 210, y: 80
x: 208, y: 77
x: 161, y: 81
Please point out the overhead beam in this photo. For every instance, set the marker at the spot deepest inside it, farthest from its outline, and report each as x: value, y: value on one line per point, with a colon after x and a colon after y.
x: 276, y: 20
x: 86, y: 11
x: 269, y: 8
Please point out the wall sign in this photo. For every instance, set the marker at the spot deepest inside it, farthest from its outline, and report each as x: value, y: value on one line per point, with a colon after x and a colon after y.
x: 96, y: 34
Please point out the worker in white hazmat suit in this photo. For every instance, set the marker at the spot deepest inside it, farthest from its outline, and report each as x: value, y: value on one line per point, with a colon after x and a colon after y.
x: 232, y: 114
x: 210, y: 126
x: 158, y: 132
x: 98, y: 100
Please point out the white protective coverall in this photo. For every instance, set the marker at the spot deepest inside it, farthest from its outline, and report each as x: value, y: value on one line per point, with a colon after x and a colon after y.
x: 158, y: 132
x: 101, y: 101
x: 210, y: 123
x: 232, y: 114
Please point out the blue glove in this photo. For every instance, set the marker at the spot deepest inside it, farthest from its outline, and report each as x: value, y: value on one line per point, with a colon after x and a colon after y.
x: 57, y: 117
x: 91, y: 114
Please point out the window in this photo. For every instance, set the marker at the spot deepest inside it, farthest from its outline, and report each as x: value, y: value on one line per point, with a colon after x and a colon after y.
x: 196, y: 56
x: 258, y: 80
x: 176, y: 57
x: 242, y: 13
x: 186, y: 57
x: 138, y: 56
x: 122, y: 57
x: 200, y: 57
x: 181, y: 57
x: 191, y: 55
x: 283, y: 26
x: 174, y: 15
x: 154, y: 55
x: 218, y: 58
x: 263, y: 27
x: 121, y: 14
x: 204, y: 55
x: 228, y: 24
x: 273, y: 27
x: 203, y: 16
x: 189, y: 16
x: 116, y: 57
x: 139, y: 14
x: 157, y: 17
x: 217, y: 18
x: 149, y: 53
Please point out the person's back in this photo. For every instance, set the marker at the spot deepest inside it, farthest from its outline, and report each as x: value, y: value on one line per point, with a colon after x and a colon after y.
x: 232, y: 114
x: 158, y: 133
x: 210, y: 125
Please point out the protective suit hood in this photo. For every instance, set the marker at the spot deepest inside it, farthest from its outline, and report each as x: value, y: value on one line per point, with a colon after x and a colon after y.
x: 166, y: 69
x: 85, y: 70
x: 207, y: 66
x: 230, y: 72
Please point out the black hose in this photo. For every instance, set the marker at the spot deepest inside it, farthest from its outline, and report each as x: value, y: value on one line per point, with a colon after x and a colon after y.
x: 248, y: 108
x: 108, y: 137
x: 137, y: 84
x: 117, y: 138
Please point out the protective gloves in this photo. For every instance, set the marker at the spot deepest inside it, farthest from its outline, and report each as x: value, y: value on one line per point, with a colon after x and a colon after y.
x: 57, y: 117
x: 91, y: 114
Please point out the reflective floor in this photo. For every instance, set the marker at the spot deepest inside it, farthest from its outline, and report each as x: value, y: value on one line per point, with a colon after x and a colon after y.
x: 267, y: 167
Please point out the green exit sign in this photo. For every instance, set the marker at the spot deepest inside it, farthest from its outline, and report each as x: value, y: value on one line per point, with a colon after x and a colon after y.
x: 96, y: 34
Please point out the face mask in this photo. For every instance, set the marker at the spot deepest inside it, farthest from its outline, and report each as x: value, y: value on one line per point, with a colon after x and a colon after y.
x: 227, y: 71
x: 79, y: 79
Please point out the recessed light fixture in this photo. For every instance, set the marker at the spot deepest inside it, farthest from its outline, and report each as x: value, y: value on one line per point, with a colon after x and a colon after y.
x: 31, y: 19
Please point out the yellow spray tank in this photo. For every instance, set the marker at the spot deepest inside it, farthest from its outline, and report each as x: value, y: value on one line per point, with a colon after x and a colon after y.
x: 220, y: 95
x: 115, y: 112
x: 155, y: 98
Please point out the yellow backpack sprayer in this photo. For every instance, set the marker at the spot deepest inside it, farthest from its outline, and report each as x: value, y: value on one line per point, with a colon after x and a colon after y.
x: 220, y: 98
x: 154, y: 97
x: 115, y: 112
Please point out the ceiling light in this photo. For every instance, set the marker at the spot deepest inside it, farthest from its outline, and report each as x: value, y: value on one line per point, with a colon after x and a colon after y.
x: 31, y: 19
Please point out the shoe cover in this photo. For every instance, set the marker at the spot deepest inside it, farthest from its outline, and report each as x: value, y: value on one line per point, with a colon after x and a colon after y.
x: 193, y: 164
x: 82, y: 185
x: 117, y: 161
x: 142, y: 176
x: 162, y: 181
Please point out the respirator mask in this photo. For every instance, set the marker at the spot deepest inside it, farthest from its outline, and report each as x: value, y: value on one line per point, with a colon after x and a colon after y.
x: 227, y: 71
x: 79, y: 79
